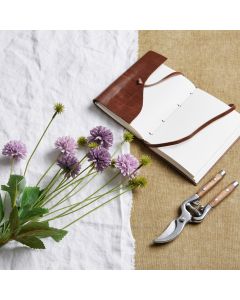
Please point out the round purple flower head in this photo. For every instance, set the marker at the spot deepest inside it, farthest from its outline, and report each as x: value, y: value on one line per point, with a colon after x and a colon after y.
x: 127, y: 165
x: 66, y: 145
x: 100, y: 157
x: 15, y: 149
x: 102, y: 136
x: 69, y: 164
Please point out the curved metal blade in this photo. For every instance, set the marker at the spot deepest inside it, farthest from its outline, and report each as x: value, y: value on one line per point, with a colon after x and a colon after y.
x: 172, y: 231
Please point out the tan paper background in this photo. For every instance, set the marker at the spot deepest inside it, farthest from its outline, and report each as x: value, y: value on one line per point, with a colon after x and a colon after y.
x: 211, y: 59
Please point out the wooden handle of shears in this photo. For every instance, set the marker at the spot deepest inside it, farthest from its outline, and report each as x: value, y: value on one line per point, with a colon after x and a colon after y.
x: 223, y: 194
x: 208, y: 186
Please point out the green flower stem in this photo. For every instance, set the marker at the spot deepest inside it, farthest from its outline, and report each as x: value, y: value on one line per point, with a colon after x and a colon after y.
x: 62, y: 182
x: 74, y: 204
x: 49, y: 186
x: 79, y: 179
x: 57, y: 191
x: 90, y: 197
x: 34, y: 150
x: 71, y: 211
x: 11, y: 166
x: 118, y: 148
x: 94, y: 193
x: 67, y: 196
x: 70, y: 195
x: 68, y: 173
x: 63, y: 196
x: 85, y: 156
x: 48, y: 169
x: 63, y: 200
x: 98, y: 196
x: 86, y: 199
x: 82, y: 187
x: 67, y: 184
x: 74, y: 179
x: 53, y: 181
x: 106, y: 202
x: 64, y: 179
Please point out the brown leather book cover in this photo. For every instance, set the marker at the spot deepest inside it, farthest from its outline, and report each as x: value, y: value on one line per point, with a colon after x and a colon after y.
x: 124, y: 96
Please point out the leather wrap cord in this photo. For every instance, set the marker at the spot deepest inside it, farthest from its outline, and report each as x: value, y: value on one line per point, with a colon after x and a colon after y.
x: 178, y: 141
x: 185, y: 138
x: 173, y: 74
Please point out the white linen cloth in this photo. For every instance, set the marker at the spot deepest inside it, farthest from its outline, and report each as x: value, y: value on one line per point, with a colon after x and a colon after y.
x: 37, y: 69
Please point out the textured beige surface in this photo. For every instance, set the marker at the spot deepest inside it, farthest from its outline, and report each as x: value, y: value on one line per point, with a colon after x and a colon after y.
x: 212, y: 60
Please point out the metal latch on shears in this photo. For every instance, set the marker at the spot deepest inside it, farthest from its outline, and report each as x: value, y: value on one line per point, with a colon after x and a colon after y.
x: 192, y: 211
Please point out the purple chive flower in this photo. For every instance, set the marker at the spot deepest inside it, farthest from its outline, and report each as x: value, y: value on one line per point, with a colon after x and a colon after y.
x: 15, y: 149
x: 127, y: 165
x: 100, y: 157
x: 70, y: 165
x: 66, y: 145
x: 102, y: 136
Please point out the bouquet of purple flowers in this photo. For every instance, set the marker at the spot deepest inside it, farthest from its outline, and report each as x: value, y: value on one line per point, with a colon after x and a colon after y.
x: 25, y: 211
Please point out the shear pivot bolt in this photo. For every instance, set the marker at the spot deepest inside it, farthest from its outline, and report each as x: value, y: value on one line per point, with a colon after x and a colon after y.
x: 182, y: 220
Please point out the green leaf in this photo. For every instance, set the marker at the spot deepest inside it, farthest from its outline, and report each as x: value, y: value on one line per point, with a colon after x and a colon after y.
x: 14, y: 187
x: 1, y: 209
x: 41, y: 198
x: 56, y: 234
x: 27, y: 214
x: 31, y: 226
x: 42, y: 230
x: 5, y: 237
x: 30, y: 196
x: 31, y: 241
x: 14, y: 221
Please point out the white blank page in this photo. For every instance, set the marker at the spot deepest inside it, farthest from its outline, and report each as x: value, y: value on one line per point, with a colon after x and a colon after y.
x: 161, y: 100
x: 195, y: 153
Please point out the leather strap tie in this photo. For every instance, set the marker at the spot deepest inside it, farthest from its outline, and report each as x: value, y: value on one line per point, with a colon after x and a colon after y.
x: 140, y: 82
x: 175, y: 142
x: 178, y: 141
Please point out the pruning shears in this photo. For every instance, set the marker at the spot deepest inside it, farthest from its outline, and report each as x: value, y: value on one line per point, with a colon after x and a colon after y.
x: 192, y: 211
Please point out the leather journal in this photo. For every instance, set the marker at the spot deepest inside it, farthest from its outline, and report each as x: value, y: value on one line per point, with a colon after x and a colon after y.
x: 183, y: 124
